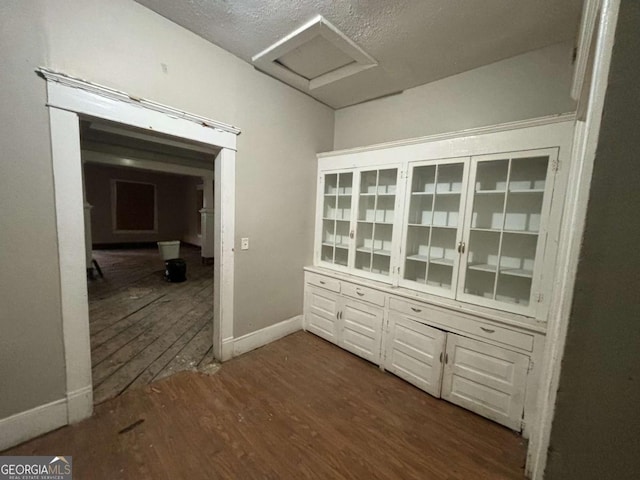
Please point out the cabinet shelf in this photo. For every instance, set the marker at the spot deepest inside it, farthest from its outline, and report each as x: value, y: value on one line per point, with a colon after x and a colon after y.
x: 336, y: 219
x: 483, y: 267
x: 435, y: 260
x: 337, y: 245
x: 490, y: 192
x: 428, y: 225
x: 447, y: 192
x: 516, y: 272
x: 448, y: 227
x: 497, y: 230
x: 373, y: 221
x: 375, y: 251
x: 527, y: 190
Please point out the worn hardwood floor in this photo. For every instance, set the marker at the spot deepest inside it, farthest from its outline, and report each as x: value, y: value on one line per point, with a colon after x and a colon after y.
x: 142, y: 327
x: 297, y: 408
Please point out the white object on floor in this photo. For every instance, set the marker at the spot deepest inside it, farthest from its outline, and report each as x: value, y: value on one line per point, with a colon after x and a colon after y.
x: 169, y: 250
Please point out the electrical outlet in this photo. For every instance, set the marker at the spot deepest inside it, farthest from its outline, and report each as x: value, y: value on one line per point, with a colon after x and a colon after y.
x: 244, y: 243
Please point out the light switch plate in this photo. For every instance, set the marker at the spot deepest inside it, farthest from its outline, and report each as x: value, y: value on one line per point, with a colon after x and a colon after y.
x: 244, y: 243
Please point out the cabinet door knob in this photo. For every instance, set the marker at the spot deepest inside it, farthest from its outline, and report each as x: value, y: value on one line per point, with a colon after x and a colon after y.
x: 359, y: 292
x: 440, y: 357
x: 351, y: 234
x: 488, y: 330
x: 322, y: 282
x: 460, y: 247
x: 446, y: 358
x: 417, y: 310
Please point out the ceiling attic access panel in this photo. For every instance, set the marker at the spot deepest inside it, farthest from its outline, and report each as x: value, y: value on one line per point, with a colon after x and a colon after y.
x: 315, y: 55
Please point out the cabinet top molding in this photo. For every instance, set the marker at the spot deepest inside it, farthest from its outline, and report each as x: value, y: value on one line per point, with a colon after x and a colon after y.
x: 501, y: 127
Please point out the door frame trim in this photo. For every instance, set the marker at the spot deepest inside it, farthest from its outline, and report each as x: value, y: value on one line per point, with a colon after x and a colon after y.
x: 69, y: 99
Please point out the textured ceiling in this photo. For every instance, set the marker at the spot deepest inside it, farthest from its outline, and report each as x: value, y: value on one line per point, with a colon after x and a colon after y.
x: 414, y: 41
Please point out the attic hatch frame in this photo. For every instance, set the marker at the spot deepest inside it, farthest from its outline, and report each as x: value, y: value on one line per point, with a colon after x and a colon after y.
x: 69, y: 99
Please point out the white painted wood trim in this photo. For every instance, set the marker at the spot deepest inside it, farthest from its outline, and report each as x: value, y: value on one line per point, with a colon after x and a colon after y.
x: 502, y: 127
x: 266, y: 335
x: 90, y: 156
x: 534, y: 138
x: 584, y: 150
x: 31, y: 423
x: 224, y: 238
x: 67, y: 102
x: 89, y: 103
x: 113, y: 94
x: 69, y: 203
x: 587, y: 30
x: 79, y: 404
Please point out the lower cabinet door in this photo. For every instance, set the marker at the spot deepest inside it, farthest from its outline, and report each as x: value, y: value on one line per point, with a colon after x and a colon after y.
x: 485, y: 379
x: 414, y: 352
x: 321, y: 313
x: 361, y: 329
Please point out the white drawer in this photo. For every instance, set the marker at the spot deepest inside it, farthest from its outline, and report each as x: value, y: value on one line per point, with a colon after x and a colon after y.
x: 363, y: 293
x: 454, y: 321
x: 323, y: 282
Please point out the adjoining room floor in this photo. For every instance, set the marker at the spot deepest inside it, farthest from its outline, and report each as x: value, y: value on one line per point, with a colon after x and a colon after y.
x: 144, y: 328
x: 297, y: 408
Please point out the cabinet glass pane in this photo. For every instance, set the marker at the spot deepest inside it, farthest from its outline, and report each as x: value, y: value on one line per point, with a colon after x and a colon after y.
x: 482, y: 261
x: 434, y: 208
x: 336, y: 214
x: 375, y: 217
x: 505, y: 221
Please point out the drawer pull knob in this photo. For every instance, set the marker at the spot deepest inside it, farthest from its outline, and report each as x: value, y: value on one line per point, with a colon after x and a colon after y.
x: 417, y: 310
x: 322, y: 282
x: 359, y: 292
x: 488, y: 330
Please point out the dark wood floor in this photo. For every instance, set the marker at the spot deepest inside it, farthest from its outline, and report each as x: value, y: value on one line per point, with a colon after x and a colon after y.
x: 297, y: 408
x: 142, y: 327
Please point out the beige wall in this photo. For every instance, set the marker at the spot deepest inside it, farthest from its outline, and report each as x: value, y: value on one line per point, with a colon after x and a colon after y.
x: 282, y: 129
x: 31, y: 352
x: 124, y: 45
x: 530, y: 85
x: 171, y: 195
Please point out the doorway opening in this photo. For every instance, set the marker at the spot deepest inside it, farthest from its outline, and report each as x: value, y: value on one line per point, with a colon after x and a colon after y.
x: 141, y: 193
x: 71, y: 100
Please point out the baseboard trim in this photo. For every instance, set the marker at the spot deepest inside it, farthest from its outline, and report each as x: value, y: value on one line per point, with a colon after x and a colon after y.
x: 29, y: 424
x: 80, y: 404
x: 227, y: 349
x: 266, y: 335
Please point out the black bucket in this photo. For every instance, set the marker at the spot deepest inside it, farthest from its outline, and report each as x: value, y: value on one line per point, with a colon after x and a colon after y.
x: 175, y: 270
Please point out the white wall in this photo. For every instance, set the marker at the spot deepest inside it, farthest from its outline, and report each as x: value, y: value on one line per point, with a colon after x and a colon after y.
x: 121, y: 44
x: 530, y: 85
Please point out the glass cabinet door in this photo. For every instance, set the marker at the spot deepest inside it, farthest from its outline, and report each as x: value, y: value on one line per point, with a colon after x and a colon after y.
x: 336, y: 218
x: 433, y: 221
x: 374, y: 221
x: 504, y: 226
